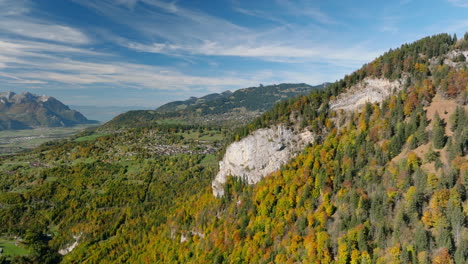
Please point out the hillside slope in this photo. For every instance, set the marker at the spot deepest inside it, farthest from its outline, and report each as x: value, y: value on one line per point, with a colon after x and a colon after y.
x: 260, y: 99
x: 381, y: 182
x: 192, y: 101
x: 238, y: 107
x: 22, y: 111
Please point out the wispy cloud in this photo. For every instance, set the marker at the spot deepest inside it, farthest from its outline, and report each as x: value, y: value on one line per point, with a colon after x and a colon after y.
x: 279, y: 52
x: 259, y: 14
x: 459, y: 26
x: 389, y: 24
x: 198, y: 51
x: 196, y: 33
x: 45, y: 53
x: 182, y: 25
x: 14, y: 20
x: 11, y: 8
x: 304, y: 8
x: 41, y: 30
x: 34, y: 62
x: 460, y: 3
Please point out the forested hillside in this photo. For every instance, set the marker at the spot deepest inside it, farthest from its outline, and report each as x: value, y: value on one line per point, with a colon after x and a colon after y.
x: 383, y: 183
x: 91, y: 188
x: 228, y: 108
x: 259, y: 98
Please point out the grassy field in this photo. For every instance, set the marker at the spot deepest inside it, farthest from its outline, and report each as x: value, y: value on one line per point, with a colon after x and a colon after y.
x: 90, y: 137
x: 210, y: 160
x: 172, y: 122
x: 204, y: 136
x: 11, y: 250
x: 14, y: 141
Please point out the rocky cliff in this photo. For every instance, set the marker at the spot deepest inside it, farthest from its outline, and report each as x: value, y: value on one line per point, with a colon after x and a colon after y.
x: 265, y: 150
x: 369, y: 90
x: 259, y: 154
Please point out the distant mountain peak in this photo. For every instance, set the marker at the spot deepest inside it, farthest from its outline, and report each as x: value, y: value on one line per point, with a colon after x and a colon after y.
x: 44, y: 98
x: 27, y: 110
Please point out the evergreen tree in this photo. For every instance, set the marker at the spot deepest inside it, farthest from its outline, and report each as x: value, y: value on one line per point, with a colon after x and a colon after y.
x: 461, y: 254
x: 438, y: 132
x: 421, y: 238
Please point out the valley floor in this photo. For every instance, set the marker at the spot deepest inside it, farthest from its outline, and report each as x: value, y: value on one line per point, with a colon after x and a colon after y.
x: 15, y: 141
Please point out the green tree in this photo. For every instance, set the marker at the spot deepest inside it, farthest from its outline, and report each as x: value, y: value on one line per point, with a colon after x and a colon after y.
x: 461, y: 254
x: 438, y: 132
x: 421, y: 238
x: 460, y: 58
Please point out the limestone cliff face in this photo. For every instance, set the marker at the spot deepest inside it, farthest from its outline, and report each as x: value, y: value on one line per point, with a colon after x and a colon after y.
x: 369, y: 90
x: 259, y: 154
x: 265, y: 150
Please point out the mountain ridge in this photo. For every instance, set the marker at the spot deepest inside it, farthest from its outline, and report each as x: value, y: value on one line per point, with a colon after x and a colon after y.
x: 238, y: 107
x: 26, y: 110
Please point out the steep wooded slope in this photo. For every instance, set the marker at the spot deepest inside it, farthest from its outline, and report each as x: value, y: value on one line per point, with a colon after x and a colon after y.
x: 384, y: 184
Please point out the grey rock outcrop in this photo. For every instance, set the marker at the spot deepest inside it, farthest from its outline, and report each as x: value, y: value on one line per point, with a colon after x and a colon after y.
x: 265, y: 150
x: 259, y: 154
x: 369, y: 90
x: 70, y: 248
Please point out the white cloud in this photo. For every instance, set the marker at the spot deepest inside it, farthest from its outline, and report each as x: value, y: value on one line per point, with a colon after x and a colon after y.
x: 303, y: 8
x: 280, y: 53
x: 15, y: 18
x: 166, y: 28
x: 460, y: 3
x: 41, y: 30
x: 130, y: 75
x: 15, y: 7
x: 455, y: 26
x: 39, y: 49
x: 31, y: 63
x: 190, y: 33
x: 259, y: 14
x: 459, y: 26
x: 389, y: 24
x: 50, y: 58
x: 36, y: 62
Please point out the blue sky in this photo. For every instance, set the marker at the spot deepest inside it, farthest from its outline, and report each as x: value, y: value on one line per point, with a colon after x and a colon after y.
x: 148, y: 52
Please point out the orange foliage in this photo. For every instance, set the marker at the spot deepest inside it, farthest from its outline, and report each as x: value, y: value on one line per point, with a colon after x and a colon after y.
x: 457, y: 82
x: 410, y: 103
x: 442, y: 257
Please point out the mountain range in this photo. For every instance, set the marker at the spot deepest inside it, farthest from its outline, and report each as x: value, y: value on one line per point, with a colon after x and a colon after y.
x: 26, y: 110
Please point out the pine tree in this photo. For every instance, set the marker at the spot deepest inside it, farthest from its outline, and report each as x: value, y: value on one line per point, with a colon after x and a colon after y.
x: 421, y: 238
x: 461, y: 254
x: 438, y: 132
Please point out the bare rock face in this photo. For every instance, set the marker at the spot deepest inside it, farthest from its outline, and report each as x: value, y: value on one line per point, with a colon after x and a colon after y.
x: 259, y: 154
x: 265, y: 150
x: 70, y: 248
x: 451, y: 58
x: 369, y: 90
